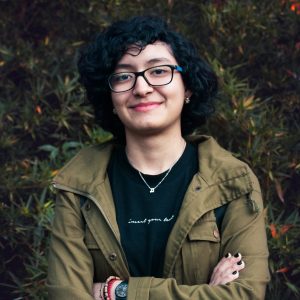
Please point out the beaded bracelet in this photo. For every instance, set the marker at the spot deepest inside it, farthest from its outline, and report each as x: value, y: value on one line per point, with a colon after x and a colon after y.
x: 107, y: 286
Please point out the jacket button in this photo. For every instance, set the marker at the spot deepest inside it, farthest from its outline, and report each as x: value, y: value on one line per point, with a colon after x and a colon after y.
x: 88, y: 206
x: 113, y: 256
x: 216, y: 234
x: 197, y: 188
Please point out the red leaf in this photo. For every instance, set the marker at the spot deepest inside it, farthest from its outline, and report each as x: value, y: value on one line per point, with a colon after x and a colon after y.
x: 285, y: 228
x: 282, y: 270
x: 38, y: 109
x: 273, y: 231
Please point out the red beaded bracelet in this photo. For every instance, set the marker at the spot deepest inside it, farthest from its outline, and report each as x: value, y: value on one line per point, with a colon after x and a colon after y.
x: 107, y: 287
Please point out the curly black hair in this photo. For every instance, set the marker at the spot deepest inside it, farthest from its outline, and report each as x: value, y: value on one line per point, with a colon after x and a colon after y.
x: 98, y: 60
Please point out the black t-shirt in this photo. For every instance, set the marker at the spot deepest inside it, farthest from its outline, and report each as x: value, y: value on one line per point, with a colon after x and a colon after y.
x: 146, y: 219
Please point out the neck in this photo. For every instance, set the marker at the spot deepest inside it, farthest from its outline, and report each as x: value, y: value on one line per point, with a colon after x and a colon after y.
x: 154, y: 154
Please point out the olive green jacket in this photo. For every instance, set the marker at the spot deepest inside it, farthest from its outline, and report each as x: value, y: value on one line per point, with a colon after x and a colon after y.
x: 85, y: 245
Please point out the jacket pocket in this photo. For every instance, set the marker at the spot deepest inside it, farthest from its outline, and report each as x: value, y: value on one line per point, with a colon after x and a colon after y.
x: 205, y: 231
x: 200, y: 252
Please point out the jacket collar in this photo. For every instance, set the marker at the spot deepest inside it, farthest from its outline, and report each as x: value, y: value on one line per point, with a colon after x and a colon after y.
x: 87, y: 169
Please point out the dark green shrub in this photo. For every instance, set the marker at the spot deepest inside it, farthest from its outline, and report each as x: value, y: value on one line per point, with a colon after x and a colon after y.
x: 254, y: 46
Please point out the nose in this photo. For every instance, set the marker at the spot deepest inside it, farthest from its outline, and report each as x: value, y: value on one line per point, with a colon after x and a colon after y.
x: 141, y: 86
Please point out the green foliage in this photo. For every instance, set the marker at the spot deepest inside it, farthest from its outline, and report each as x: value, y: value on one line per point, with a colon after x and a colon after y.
x: 284, y: 255
x: 254, y: 47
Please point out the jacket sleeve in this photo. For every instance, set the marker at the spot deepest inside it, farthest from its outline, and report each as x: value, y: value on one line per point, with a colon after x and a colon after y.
x: 243, y: 231
x: 70, y: 267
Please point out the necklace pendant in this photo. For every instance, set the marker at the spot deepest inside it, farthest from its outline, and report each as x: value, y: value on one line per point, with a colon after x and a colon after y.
x: 152, y: 190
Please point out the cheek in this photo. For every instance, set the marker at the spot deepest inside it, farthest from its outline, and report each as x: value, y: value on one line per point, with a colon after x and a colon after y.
x: 117, y: 100
x: 177, y: 88
x: 176, y: 93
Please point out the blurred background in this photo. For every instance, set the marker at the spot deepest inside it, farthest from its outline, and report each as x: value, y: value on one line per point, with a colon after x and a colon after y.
x: 253, y: 46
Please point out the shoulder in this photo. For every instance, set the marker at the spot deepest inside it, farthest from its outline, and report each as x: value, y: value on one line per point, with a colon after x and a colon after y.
x: 90, y: 162
x: 217, y: 162
x: 219, y: 167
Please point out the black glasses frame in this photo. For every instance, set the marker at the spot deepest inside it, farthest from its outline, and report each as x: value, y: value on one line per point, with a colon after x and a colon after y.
x: 142, y: 73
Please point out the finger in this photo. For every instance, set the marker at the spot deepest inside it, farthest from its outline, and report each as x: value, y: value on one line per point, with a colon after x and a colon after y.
x: 225, y: 277
x: 235, y: 268
x: 226, y: 256
x: 240, y: 265
x: 230, y: 276
x: 231, y: 261
x: 237, y: 256
x: 234, y: 275
x: 225, y: 268
x: 228, y: 263
x: 221, y: 262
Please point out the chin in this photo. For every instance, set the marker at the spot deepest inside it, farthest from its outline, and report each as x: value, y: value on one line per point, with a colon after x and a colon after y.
x: 146, y: 130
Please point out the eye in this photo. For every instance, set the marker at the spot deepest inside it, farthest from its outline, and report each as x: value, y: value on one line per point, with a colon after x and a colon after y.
x: 160, y: 71
x: 122, y: 77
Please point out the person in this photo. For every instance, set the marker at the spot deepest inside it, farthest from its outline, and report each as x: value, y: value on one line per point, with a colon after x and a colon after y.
x: 158, y: 212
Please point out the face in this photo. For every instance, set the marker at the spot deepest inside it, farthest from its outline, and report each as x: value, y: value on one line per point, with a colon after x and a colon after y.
x: 145, y: 108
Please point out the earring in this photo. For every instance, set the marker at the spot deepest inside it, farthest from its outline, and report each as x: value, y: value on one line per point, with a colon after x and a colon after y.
x: 114, y: 111
x: 187, y: 100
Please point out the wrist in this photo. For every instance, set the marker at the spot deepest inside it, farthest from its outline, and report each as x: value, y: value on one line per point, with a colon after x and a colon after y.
x: 120, y: 291
x: 112, y: 288
x: 108, y: 295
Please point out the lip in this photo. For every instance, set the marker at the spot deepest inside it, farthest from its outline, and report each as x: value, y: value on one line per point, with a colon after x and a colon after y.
x: 145, y: 106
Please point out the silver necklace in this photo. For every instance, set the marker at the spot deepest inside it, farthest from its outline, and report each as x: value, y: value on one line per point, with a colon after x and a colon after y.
x: 152, y: 189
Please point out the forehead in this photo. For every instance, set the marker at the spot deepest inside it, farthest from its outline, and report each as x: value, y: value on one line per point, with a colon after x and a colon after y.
x: 158, y: 51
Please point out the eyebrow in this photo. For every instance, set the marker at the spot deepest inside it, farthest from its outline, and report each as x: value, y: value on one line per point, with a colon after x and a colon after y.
x: 149, y: 62
x: 158, y: 59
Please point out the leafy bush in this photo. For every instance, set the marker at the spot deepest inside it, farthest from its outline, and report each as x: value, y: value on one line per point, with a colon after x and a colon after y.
x: 254, y: 47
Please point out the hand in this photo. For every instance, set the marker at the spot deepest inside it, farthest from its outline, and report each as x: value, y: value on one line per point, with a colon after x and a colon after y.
x: 227, y: 269
x: 98, y: 290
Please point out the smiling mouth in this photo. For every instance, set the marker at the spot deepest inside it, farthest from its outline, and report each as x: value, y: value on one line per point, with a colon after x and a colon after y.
x: 145, y: 106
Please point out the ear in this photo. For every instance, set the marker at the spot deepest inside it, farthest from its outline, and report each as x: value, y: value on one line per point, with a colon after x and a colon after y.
x: 188, y: 93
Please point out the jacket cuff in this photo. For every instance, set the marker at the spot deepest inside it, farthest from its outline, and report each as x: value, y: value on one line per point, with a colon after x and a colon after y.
x: 138, y: 288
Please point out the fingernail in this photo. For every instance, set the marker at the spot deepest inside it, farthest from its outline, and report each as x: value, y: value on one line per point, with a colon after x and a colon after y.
x: 239, y: 263
x: 236, y: 255
x: 228, y: 255
x: 233, y: 273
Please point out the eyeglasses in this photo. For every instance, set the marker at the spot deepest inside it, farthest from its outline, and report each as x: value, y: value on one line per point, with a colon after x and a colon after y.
x: 154, y: 76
